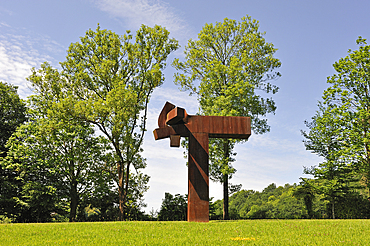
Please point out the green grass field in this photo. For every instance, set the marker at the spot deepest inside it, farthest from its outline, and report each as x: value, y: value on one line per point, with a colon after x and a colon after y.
x: 243, y: 232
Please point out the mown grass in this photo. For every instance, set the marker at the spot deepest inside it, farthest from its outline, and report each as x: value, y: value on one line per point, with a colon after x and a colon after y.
x: 246, y: 232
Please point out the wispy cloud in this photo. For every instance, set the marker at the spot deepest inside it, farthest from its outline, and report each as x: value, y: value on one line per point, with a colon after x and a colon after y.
x: 5, y: 11
x: 176, y: 97
x: 21, y: 50
x: 147, y: 12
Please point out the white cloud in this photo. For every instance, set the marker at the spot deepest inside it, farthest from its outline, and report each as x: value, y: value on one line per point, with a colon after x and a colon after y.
x: 19, y: 52
x: 4, y: 24
x: 147, y: 12
x: 5, y: 12
x: 176, y: 97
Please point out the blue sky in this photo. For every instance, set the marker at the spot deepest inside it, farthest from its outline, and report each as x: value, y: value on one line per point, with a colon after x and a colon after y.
x: 310, y: 37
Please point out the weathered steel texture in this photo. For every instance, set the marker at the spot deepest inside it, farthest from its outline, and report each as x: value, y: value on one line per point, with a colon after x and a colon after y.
x: 198, y: 187
x: 174, y: 123
x: 215, y: 126
x: 167, y: 131
x: 163, y: 115
x: 220, y: 126
x: 176, y: 116
x: 175, y: 140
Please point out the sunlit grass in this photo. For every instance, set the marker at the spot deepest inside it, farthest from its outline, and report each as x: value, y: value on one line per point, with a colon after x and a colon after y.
x: 247, y: 232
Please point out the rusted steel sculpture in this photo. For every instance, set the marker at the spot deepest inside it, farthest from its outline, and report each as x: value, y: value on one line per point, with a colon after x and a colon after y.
x: 175, y: 123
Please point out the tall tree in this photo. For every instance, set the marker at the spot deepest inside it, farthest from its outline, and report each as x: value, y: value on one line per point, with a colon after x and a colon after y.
x: 232, y: 63
x: 340, y: 131
x: 306, y: 190
x: 335, y: 176
x: 12, y: 115
x: 58, y: 157
x: 107, y: 81
x: 349, y: 97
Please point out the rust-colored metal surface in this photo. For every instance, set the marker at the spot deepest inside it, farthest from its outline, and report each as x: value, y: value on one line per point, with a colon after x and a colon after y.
x: 198, y: 181
x: 175, y: 123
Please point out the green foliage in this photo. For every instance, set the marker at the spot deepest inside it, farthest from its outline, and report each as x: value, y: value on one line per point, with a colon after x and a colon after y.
x: 272, y: 203
x: 12, y: 113
x: 352, y: 206
x: 53, y: 158
x: 231, y: 61
x: 306, y: 191
x: 91, y: 214
x: 5, y: 220
x: 107, y: 81
x: 339, y: 132
x: 219, y: 164
x: 173, y: 207
x: 349, y: 98
x: 326, y: 138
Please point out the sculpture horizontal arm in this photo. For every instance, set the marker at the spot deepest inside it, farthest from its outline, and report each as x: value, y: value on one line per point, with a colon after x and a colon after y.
x: 163, y: 132
x: 220, y: 126
x: 215, y: 126
x: 167, y: 131
x: 175, y: 121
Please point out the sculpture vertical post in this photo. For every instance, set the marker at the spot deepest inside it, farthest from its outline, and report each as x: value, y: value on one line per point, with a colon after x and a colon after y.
x: 198, y: 180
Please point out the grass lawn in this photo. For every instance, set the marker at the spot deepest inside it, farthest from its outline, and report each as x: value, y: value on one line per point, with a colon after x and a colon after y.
x: 243, y: 232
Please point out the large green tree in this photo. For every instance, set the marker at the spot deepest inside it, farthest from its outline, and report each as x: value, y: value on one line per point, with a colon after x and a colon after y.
x: 12, y: 115
x: 340, y: 130
x: 335, y: 176
x: 55, y: 158
x: 229, y: 68
x: 349, y: 97
x: 107, y: 81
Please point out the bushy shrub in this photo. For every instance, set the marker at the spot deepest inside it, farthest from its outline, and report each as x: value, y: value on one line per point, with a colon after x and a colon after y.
x: 5, y: 220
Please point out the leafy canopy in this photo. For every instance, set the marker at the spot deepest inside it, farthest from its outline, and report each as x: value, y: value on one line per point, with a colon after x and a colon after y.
x: 12, y: 113
x: 107, y: 81
x: 339, y: 132
x: 231, y: 60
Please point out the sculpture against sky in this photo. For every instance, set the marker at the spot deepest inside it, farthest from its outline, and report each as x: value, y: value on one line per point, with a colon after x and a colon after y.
x: 175, y: 123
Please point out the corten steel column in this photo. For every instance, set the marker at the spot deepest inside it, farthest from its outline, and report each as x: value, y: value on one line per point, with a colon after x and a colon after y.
x: 175, y: 123
x: 198, y: 181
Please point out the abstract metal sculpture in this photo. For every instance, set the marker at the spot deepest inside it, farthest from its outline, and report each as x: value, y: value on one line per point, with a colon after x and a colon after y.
x: 175, y: 123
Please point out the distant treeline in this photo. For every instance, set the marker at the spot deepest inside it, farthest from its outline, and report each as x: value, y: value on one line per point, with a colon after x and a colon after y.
x: 284, y: 202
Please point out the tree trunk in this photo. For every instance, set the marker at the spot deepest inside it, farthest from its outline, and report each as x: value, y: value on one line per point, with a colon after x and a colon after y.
x: 226, y: 197
x: 226, y: 183
x: 125, y: 193
x: 121, y: 199
x: 74, y: 201
x: 332, y: 210
x: 308, y: 202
